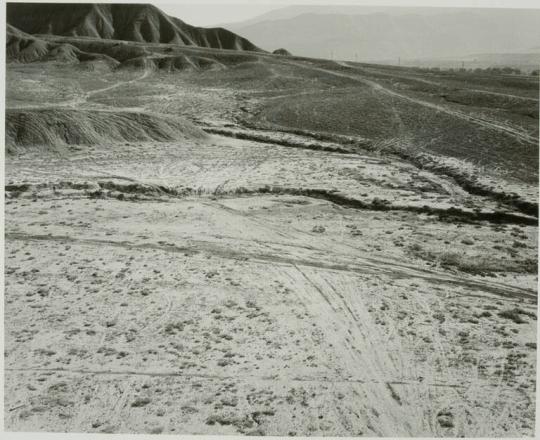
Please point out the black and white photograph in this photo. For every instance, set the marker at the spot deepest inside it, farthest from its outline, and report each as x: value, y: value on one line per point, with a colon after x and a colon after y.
x: 290, y: 218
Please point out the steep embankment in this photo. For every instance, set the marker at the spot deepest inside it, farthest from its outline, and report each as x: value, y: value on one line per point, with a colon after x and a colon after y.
x: 46, y: 127
x: 130, y: 22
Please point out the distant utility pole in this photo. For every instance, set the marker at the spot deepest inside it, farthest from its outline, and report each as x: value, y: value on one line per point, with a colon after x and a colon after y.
x: 356, y: 56
x: 463, y: 64
x: 331, y: 54
x: 399, y: 61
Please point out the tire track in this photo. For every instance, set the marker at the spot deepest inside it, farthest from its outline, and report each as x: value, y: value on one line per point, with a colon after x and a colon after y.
x: 362, y: 265
x: 247, y: 378
x: 358, y: 346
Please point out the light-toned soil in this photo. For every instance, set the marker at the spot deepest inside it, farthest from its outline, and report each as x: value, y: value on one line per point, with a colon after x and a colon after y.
x: 266, y: 287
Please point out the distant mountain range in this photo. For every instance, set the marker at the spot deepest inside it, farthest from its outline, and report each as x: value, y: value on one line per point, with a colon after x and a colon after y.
x: 375, y: 34
x: 131, y: 22
x: 288, y: 12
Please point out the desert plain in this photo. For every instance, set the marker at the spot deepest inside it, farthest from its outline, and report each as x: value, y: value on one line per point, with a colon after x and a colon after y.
x: 205, y: 241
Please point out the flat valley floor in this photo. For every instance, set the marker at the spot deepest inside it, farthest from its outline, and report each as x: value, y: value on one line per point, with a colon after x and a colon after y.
x: 319, y: 249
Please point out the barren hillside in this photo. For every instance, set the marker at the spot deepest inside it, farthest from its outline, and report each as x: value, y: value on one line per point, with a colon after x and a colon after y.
x: 131, y: 22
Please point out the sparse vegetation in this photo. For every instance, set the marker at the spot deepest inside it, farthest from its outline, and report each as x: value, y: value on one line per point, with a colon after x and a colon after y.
x: 336, y: 223
x: 516, y: 314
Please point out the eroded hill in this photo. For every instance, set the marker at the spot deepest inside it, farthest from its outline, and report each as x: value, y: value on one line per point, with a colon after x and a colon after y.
x: 131, y: 22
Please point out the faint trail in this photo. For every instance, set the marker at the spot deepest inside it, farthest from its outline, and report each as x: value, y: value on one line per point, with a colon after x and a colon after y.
x: 438, y: 84
x: 75, y: 102
x: 361, y: 265
x: 126, y: 393
x: 145, y: 74
x: 505, y: 95
x: 263, y: 378
x: 519, y: 134
x: 359, y: 350
x: 514, y: 132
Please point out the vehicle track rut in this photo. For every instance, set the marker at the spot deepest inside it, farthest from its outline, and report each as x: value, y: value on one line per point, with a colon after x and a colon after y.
x: 361, y: 265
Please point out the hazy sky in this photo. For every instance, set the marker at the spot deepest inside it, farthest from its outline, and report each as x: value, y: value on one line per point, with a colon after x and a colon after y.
x: 212, y: 12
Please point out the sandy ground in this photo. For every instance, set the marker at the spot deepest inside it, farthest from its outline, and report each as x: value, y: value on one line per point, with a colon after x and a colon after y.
x: 233, y: 287
x: 259, y: 313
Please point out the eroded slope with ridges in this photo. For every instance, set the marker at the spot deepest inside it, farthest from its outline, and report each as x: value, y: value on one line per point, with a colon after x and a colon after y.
x: 131, y: 22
